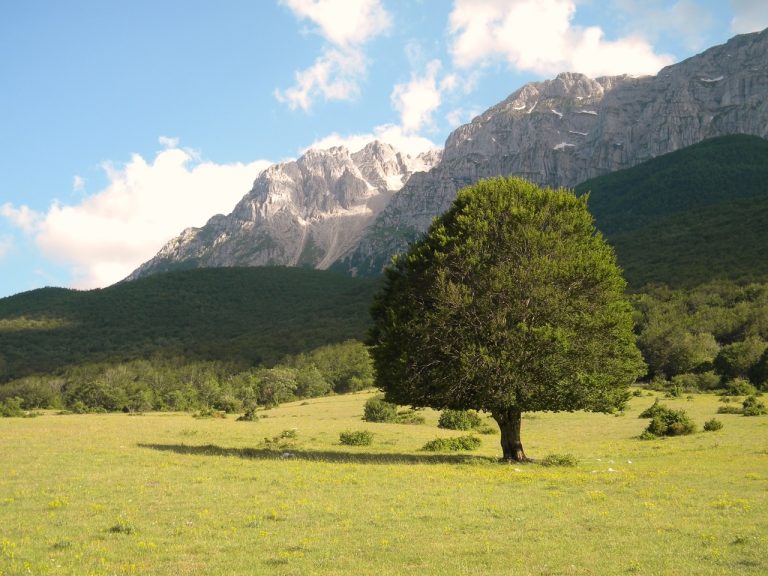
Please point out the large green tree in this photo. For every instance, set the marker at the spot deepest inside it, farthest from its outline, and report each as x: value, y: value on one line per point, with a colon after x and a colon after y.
x: 511, y: 303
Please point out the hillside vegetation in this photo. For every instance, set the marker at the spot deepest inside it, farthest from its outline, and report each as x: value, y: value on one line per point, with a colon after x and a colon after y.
x: 691, y: 216
x: 249, y: 316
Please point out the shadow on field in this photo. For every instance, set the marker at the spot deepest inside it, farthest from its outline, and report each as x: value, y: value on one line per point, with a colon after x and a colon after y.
x: 319, y: 456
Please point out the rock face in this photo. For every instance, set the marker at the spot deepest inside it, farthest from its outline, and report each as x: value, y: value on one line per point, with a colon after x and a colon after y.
x: 563, y: 131
x: 303, y: 213
x: 333, y: 208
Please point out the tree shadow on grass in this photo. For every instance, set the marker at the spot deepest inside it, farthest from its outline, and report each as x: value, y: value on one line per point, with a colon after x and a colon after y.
x: 319, y: 456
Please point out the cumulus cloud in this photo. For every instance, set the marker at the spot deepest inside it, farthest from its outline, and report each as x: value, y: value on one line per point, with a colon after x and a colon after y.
x: 539, y: 36
x: 418, y: 99
x: 78, y: 184
x: 346, y: 25
x: 108, y: 234
x: 392, y: 134
x: 343, y: 22
x: 334, y: 76
x: 749, y: 16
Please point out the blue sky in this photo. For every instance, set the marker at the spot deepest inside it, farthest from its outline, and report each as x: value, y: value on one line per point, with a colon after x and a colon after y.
x: 123, y: 122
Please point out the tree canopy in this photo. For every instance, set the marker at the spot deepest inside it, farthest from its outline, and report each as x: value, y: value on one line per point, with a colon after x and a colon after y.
x: 512, y: 302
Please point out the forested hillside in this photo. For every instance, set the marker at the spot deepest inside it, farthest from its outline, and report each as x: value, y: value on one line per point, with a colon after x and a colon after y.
x: 690, y: 216
x: 249, y: 316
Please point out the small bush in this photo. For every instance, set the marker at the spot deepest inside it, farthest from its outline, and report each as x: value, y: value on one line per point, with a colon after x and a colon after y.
x: 281, y: 442
x: 712, y: 425
x: 654, y: 410
x: 249, y: 415
x: 356, y: 438
x: 739, y: 387
x: 729, y: 410
x: 559, y: 460
x: 459, y: 419
x: 753, y: 407
x: 209, y: 413
x: 123, y: 527
x: 11, y: 408
x: 378, y: 410
x: 668, y: 422
x: 453, y: 444
x: 487, y: 429
x: 410, y: 417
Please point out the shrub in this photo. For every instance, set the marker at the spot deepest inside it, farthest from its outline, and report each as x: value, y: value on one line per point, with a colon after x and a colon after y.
x: 11, y: 408
x: 653, y: 410
x: 459, y: 419
x: 753, y: 407
x: 712, y: 425
x: 208, y: 412
x: 668, y: 422
x: 559, y: 460
x: 739, y: 387
x: 453, y: 444
x: 487, y: 429
x: 249, y: 415
x: 410, y: 417
x: 729, y: 410
x: 356, y: 437
x: 281, y: 442
x: 378, y: 410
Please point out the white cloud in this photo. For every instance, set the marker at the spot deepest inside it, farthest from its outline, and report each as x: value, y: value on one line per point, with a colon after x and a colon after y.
x: 749, y: 16
x: 538, y: 36
x: 168, y: 142
x: 346, y: 25
x: 418, y: 99
x: 334, y: 76
x: 344, y: 22
x: 78, y: 184
x: 390, y: 133
x: 22, y: 217
x: 108, y: 234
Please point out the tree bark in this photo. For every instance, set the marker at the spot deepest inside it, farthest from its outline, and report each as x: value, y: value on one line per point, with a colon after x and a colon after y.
x: 509, y: 422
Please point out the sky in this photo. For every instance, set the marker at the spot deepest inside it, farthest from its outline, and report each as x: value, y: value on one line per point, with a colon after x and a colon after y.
x: 123, y: 122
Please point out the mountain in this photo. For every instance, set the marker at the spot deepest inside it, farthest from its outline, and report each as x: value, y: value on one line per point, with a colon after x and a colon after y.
x: 306, y: 212
x: 564, y: 131
x: 353, y: 211
x: 245, y: 315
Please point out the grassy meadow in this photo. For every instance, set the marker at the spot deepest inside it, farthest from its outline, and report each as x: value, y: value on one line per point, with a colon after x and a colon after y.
x: 165, y: 493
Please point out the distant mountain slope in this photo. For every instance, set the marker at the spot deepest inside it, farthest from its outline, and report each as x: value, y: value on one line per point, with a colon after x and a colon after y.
x: 563, y: 131
x: 689, y: 216
x: 246, y: 315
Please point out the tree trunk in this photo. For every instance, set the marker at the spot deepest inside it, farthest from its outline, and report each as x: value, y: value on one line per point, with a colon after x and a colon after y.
x: 509, y: 422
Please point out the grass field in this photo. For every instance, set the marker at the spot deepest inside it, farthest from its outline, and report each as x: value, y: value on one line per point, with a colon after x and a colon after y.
x: 169, y: 494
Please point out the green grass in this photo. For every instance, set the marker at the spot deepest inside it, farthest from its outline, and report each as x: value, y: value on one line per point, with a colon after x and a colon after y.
x: 169, y: 494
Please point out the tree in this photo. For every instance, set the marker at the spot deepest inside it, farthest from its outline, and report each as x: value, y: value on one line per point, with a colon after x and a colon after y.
x: 512, y: 302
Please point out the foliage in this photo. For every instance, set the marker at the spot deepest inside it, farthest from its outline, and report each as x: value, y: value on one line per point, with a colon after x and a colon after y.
x: 718, y: 329
x: 410, y: 417
x: 174, y: 383
x: 753, y: 407
x: 658, y: 214
x: 668, y: 422
x: 246, y: 316
x: 345, y: 367
x: 250, y: 415
x: 11, y: 408
x: 713, y: 425
x: 356, y: 437
x: 567, y: 460
x: 738, y: 359
x: 376, y: 409
x: 452, y: 444
x: 510, y: 303
x: 739, y: 387
x: 459, y: 419
x: 654, y: 410
x: 729, y: 410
